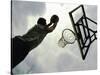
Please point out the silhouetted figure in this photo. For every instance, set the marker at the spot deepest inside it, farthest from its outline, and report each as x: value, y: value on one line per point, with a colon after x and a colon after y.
x: 22, y: 45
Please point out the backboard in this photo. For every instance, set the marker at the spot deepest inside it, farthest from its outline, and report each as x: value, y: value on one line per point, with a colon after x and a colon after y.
x: 85, y: 35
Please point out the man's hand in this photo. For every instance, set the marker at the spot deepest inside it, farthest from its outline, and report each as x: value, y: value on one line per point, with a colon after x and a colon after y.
x: 53, y: 23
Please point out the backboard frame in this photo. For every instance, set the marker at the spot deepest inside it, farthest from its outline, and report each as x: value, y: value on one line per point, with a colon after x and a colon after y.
x: 77, y: 30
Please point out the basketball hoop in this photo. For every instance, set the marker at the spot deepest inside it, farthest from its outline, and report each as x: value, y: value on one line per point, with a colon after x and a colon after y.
x: 68, y: 37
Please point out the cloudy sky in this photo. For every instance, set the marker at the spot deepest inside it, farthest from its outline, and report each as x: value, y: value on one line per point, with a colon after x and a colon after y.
x: 48, y: 56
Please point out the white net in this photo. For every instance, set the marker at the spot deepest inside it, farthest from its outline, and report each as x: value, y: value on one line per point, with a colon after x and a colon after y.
x: 68, y: 37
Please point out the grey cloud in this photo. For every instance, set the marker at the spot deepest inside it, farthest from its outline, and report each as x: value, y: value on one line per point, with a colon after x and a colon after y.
x: 91, y: 11
x: 25, y: 7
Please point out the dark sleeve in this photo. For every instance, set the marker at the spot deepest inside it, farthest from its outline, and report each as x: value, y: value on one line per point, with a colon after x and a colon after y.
x: 18, y: 50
